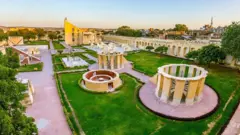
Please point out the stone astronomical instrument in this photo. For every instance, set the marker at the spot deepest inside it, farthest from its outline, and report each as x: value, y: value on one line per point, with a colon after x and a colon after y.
x: 180, y: 83
x: 111, y: 58
x: 101, y: 80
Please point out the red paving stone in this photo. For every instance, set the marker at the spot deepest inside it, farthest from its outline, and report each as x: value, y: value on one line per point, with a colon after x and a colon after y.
x: 46, y: 109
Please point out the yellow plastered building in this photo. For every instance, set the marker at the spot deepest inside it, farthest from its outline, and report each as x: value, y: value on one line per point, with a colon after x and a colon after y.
x: 79, y: 36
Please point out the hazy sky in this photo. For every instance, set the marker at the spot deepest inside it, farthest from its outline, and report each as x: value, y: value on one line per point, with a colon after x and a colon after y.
x: 114, y: 13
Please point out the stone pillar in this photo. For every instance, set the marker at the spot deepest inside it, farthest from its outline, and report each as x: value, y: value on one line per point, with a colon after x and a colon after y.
x: 104, y: 61
x: 178, y: 92
x: 112, y: 62
x: 182, y: 71
x: 167, y: 82
x: 118, y: 61
x: 192, y: 87
x: 200, y: 88
x: 122, y: 62
x: 173, y: 70
x: 158, y: 91
x: 99, y: 62
x: 190, y: 71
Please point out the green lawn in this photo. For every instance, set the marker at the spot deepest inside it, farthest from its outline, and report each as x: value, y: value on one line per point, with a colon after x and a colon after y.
x: 39, y: 42
x: 122, y: 113
x: 32, y: 67
x: 57, y: 45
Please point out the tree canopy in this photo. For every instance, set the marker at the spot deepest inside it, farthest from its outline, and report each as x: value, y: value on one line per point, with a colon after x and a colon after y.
x: 208, y: 54
x: 12, y: 118
x: 127, y: 31
x: 3, y: 36
x: 149, y: 48
x: 161, y: 49
x: 231, y: 40
x: 180, y: 27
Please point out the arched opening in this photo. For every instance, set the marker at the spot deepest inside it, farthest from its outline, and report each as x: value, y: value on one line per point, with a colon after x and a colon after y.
x: 184, y: 51
x: 173, y: 50
x: 179, y: 51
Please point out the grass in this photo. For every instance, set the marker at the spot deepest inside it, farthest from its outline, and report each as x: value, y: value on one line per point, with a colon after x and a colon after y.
x: 106, y: 114
x: 122, y: 113
x: 57, y: 45
x: 30, y: 68
x: 224, y: 80
x: 38, y: 42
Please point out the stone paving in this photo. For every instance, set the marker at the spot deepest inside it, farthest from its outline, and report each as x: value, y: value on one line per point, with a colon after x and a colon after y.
x: 233, y: 128
x: 90, y: 57
x: 46, y: 109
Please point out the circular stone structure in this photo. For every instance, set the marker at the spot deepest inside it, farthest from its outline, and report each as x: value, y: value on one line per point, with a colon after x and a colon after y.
x: 111, y: 57
x: 101, y: 80
x: 180, y: 83
x: 180, y: 93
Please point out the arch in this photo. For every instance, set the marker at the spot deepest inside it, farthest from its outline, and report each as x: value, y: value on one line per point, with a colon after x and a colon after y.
x: 184, y: 51
x: 173, y: 50
x: 179, y: 51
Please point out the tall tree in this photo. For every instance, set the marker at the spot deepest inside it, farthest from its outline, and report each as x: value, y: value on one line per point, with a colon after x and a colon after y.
x: 181, y: 27
x: 40, y: 33
x: 13, y: 121
x: 3, y: 36
x: 127, y: 31
x: 52, y: 35
x: 231, y: 40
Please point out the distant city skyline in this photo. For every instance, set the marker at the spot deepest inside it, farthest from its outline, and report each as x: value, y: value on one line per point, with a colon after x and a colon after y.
x: 137, y: 14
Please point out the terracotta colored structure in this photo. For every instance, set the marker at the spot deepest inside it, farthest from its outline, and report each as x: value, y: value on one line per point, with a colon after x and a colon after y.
x: 15, y: 40
x: 101, y: 80
x: 180, y: 83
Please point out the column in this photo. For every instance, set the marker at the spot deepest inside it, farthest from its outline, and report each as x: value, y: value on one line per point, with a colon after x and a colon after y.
x: 122, y: 62
x: 178, y: 92
x: 104, y: 61
x: 166, y: 89
x: 182, y: 71
x: 112, y: 61
x: 200, y: 88
x: 192, y: 87
x: 173, y: 70
x: 99, y: 62
x: 118, y: 61
x: 190, y: 71
x: 159, y: 85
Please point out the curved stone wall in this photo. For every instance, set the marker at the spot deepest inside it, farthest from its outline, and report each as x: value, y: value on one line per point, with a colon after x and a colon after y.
x: 180, y: 83
x: 110, y: 61
x: 101, y: 80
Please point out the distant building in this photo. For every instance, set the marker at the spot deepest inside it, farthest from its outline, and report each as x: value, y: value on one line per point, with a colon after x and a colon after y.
x: 78, y: 36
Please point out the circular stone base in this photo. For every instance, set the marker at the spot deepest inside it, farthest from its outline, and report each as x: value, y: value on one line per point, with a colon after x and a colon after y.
x: 201, y: 109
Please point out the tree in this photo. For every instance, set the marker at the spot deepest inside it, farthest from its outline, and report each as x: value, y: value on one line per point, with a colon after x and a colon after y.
x: 40, y: 32
x: 231, y: 40
x: 181, y: 27
x: 208, y: 54
x: 127, y: 31
x: 13, y: 121
x: 149, y: 48
x: 59, y: 37
x: 12, y: 58
x: 52, y: 35
x: 161, y: 49
x: 193, y: 55
x: 3, y: 36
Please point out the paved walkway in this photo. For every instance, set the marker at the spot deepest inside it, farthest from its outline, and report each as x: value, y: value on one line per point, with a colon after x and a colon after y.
x: 90, y: 57
x: 65, y: 45
x: 46, y: 109
x: 233, y: 128
x: 53, y: 51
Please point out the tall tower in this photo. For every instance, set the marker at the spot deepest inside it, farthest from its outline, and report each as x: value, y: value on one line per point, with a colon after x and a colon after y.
x: 211, y: 22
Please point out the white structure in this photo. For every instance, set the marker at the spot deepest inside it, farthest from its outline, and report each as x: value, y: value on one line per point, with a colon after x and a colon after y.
x: 180, y: 83
x: 28, y: 100
x: 74, y: 61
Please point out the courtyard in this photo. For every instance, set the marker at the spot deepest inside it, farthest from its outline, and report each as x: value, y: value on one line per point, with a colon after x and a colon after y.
x: 121, y: 112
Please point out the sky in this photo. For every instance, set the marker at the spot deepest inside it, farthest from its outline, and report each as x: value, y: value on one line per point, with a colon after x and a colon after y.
x: 161, y: 14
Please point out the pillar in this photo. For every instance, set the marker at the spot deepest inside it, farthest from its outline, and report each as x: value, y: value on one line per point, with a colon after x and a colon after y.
x: 99, y: 62
x: 104, y: 61
x: 182, y: 71
x: 158, y: 91
x: 200, y: 88
x: 118, y: 61
x: 190, y: 71
x: 178, y: 92
x: 192, y: 87
x: 122, y: 62
x: 112, y: 62
x: 166, y: 89
x: 173, y: 70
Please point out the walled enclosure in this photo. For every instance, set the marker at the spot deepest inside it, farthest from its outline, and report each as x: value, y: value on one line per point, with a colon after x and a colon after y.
x: 180, y: 83
x: 101, y: 80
